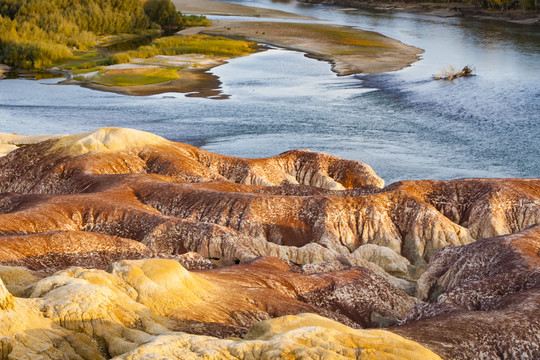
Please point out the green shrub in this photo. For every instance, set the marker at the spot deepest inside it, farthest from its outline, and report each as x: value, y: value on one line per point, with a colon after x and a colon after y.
x: 162, y: 12
x: 186, y: 21
x: 120, y: 58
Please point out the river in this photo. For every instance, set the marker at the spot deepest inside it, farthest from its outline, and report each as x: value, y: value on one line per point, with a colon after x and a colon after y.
x: 403, y: 124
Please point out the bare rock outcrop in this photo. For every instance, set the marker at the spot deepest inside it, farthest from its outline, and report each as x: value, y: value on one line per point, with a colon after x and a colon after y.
x: 48, y: 252
x: 10, y: 142
x: 484, y: 300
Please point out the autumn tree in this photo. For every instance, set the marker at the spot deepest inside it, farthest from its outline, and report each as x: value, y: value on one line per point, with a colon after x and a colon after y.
x: 163, y: 13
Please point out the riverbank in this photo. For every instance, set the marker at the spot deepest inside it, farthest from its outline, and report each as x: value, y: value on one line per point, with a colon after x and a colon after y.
x: 210, y: 7
x: 3, y: 69
x: 446, y: 9
x: 167, y: 64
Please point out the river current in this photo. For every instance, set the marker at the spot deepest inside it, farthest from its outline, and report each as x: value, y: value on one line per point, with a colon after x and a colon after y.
x: 403, y: 124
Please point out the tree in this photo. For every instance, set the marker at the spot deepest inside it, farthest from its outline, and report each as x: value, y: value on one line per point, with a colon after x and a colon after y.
x: 162, y: 12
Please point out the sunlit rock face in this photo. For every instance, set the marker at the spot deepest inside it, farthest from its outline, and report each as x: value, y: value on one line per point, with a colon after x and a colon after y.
x: 143, y: 308
x: 300, y: 206
x: 6, y: 299
x: 484, y: 300
x: 306, y: 336
x: 119, y: 243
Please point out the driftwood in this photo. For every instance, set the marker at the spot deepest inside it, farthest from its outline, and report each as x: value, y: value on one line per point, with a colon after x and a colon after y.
x: 450, y: 73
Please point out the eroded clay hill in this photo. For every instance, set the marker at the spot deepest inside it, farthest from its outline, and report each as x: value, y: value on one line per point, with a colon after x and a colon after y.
x: 300, y: 206
x: 119, y: 243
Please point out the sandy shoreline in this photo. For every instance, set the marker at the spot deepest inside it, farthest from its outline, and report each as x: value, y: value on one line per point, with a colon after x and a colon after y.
x: 209, y: 7
x: 440, y: 9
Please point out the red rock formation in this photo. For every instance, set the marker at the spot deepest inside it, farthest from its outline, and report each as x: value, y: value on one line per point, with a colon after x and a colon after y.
x: 176, y: 198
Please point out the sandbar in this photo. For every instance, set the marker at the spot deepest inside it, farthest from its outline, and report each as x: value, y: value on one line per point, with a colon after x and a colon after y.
x: 349, y: 50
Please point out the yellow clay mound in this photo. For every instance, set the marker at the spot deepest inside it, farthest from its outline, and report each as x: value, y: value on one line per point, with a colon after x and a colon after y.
x: 304, y: 336
x: 328, y: 337
x: 107, y: 140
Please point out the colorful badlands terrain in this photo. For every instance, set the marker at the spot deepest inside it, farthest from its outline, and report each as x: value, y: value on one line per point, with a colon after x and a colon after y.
x: 121, y: 244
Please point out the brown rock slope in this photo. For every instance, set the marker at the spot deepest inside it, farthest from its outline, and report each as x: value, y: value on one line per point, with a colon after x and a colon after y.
x: 484, y: 300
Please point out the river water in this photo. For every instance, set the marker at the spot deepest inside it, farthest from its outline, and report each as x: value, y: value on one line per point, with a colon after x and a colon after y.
x: 404, y: 124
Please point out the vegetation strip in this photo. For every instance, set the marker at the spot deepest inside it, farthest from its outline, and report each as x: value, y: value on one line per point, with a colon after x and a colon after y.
x: 39, y: 34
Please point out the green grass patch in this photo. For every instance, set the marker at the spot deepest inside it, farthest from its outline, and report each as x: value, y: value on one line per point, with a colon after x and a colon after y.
x: 83, y: 60
x: 138, y: 76
x: 181, y: 45
x: 86, y: 65
x: 203, y: 44
x: 89, y: 70
x: 170, y: 45
x: 348, y: 37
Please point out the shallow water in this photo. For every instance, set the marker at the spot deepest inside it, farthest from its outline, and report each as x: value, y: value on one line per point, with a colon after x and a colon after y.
x: 403, y: 124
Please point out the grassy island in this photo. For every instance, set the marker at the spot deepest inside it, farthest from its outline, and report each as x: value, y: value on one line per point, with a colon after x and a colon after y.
x: 164, y: 59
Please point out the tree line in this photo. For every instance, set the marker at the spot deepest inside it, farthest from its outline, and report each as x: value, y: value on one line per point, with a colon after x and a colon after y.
x: 485, y: 4
x: 36, y: 34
